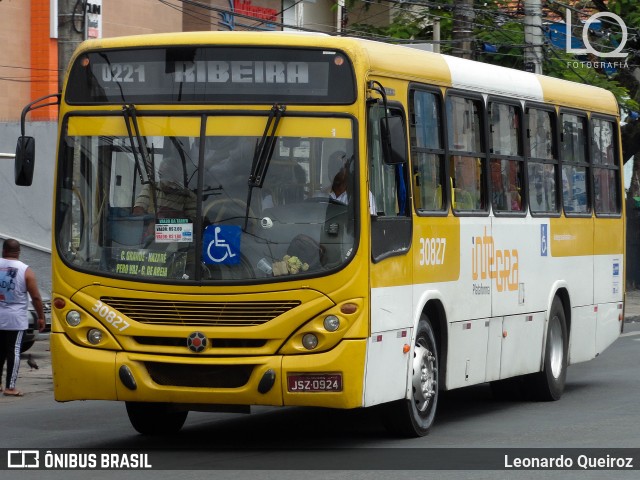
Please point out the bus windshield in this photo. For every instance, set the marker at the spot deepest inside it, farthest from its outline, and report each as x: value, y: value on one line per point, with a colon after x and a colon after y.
x: 164, y: 199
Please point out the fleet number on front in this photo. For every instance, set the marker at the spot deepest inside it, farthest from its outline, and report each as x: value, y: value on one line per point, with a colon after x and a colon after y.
x: 110, y: 316
x: 432, y: 251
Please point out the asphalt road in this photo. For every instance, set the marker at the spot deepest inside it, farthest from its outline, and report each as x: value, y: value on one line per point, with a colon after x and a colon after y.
x: 598, y: 410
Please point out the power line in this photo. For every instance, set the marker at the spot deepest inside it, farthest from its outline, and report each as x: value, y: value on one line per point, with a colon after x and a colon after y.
x: 434, y: 11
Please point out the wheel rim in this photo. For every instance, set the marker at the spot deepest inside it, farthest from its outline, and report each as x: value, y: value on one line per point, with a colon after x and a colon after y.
x: 556, y: 348
x: 425, y: 374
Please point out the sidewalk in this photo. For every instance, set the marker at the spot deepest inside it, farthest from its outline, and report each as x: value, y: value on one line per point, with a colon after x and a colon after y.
x: 33, y: 382
x: 632, y: 307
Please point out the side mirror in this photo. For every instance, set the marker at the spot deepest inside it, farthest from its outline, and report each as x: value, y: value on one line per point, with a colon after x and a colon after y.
x: 25, y: 158
x: 394, y: 142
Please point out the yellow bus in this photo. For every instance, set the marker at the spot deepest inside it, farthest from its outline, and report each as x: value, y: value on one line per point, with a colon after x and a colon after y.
x: 292, y: 219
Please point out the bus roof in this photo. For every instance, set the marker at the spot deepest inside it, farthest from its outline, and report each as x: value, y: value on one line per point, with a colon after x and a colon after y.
x: 399, y: 62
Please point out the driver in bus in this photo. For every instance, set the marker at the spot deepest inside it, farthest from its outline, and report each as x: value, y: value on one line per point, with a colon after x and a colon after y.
x: 340, y: 186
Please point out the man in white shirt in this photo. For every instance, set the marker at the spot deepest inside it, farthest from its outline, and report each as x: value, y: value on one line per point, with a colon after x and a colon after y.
x: 339, y: 191
x: 17, y: 282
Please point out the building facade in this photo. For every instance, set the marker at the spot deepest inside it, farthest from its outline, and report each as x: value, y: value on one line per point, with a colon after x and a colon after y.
x: 38, y: 38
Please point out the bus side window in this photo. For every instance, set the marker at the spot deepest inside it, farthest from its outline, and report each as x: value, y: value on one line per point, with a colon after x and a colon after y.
x: 467, y: 162
x: 543, y: 162
x: 391, y: 226
x: 388, y: 183
x: 606, y: 173
x: 427, y: 151
x: 507, y: 161
x: 575, y: 166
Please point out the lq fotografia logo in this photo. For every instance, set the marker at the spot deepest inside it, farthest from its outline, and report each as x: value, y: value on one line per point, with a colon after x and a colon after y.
x: 589, y: 49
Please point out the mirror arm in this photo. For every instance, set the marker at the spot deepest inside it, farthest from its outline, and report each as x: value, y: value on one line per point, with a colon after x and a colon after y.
x: 34, y: 106
x: 377, y: 87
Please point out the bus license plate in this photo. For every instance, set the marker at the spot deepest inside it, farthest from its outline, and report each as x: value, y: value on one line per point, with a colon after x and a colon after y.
x: 324, y: 382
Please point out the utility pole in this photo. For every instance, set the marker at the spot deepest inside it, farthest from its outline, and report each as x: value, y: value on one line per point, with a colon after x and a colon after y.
x: 533, y: 36
x: 339, y: 17
x: 463, y: 17
x: 436, y: 35
x: 71, y: 28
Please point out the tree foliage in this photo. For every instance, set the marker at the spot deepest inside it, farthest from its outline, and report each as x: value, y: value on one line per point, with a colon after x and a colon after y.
x: 500, y: 24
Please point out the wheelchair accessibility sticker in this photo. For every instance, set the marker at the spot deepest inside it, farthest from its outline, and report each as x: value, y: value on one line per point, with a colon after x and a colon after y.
x: 221, y: 244
x: 544, y: 240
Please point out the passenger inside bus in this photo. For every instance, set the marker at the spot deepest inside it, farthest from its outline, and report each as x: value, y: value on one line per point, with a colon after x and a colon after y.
x: 465, y: 183
x: 284, y: 183
x: 498, y: 195
x: 173, y: 199
x: 225, y: 167
x: 538, y: 203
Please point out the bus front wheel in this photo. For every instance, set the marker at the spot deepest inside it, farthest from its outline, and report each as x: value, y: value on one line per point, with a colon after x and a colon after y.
x: 413, y: 417
x: 155, y: 418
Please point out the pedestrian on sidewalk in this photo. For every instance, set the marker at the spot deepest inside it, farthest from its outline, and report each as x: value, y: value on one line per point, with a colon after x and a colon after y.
x: 17, y: 282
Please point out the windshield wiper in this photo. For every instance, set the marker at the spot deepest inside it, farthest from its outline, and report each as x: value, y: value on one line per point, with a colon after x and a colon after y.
x: 263, y: 153
x: 144, y: 166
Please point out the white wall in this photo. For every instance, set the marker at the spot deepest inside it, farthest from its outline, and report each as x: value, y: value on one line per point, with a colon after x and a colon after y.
x: 25, y: 212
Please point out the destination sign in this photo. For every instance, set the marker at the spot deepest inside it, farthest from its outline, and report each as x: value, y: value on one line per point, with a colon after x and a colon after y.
x: 211, y: 75
x: 245, y: 72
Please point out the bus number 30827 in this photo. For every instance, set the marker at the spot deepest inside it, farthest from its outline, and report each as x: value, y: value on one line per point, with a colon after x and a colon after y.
x: 432, y: 251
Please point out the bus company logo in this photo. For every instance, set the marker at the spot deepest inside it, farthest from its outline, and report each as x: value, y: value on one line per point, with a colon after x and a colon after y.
x: 617, y: 53
x: 489, y: 263
x: 23, y: 459
x: 197, y: 342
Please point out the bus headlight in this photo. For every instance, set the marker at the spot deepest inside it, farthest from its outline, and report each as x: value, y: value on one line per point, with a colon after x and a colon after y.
x: 310, y: 341
x: 331, y: 323
x: 73, y: 318
x: 94, y: 336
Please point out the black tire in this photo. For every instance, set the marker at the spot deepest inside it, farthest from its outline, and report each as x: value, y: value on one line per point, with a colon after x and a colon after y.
x: 155, y: 418
x: 548, y: 385
x: 414, y: 417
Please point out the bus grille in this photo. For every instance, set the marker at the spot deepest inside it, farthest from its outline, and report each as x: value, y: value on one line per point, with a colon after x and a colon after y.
x: 199, y: 376
x: 200, y: 314
x: 214, y: 342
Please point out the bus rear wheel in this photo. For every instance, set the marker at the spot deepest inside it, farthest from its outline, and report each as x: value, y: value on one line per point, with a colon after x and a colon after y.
x: 548, y: 385
x: 413, y: 417
x: 155, y: 418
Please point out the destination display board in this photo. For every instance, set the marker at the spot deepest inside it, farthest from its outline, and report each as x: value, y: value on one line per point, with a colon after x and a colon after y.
x: 205, y: 74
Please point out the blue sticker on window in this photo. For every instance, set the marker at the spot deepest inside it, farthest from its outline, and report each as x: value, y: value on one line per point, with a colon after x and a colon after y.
x: 221, y: 244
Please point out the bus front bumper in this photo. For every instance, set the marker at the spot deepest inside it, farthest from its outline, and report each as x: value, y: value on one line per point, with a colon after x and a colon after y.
x: 81, y: 373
